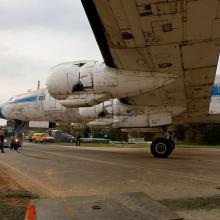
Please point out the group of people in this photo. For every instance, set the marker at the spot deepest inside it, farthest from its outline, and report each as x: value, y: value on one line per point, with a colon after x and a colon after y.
x: 13, y: 139
x: 2, y: 138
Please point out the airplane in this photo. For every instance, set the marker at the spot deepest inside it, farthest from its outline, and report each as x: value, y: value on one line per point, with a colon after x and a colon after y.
x: 36, y: 106
x: 158, y: 55
x: 160, y: 61
x: 40, y: 109
x: 40, y: 106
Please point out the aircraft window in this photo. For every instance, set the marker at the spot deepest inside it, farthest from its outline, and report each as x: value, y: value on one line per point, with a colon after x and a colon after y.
x: 41, y: 97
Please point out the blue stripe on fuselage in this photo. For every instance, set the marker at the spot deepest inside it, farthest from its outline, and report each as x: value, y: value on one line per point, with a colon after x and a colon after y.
x: 216, y: 90
x: 26, y: 99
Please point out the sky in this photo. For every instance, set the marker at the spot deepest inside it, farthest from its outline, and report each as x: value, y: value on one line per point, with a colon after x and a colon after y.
x: 36, y: 35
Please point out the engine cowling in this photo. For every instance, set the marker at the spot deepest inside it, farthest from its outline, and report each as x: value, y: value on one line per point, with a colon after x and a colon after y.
x: 61, y: 80
x: 75, y: 80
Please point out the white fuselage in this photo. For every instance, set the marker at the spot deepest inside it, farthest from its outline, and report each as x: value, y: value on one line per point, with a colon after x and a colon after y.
x: 37, y: 105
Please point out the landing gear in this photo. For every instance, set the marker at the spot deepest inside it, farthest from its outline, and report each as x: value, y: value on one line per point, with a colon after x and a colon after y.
x: 162, y: 147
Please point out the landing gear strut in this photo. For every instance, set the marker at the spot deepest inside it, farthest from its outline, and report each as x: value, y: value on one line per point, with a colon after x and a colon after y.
x: 162, y: 147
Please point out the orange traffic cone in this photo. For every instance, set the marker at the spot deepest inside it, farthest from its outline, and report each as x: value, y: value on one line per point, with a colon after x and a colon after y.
x: 31, y: 212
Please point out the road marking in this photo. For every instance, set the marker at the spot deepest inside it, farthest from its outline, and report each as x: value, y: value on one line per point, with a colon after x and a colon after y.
x: 170, y: 173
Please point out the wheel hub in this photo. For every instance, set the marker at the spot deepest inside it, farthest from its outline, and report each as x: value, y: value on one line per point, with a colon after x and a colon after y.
x: 161, y: 148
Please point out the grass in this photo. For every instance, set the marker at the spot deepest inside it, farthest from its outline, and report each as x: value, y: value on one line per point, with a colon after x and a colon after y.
x: 13, y: 198
x: 206, y: 203
x: 10, y: 212
x: 13, y: 204
x: 10, y: 194
x: 106, y: 145
x: 197, y: 146
x: 146, y: 145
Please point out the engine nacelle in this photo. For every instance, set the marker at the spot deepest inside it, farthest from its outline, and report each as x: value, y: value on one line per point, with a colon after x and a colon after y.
x: 77, y: 79
x: 101, y: 110
x: 142, y: 121
x: 135, y: 121
x: 61, y: 79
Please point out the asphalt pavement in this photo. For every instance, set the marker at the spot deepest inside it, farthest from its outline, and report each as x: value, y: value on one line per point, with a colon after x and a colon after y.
x: 53, y: 171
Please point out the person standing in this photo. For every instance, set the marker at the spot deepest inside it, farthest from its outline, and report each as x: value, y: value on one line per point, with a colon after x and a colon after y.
x: 2, y: 138
x: 78, y: 139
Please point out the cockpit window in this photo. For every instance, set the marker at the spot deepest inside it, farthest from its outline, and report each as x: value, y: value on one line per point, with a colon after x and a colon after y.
x: 41, y: 97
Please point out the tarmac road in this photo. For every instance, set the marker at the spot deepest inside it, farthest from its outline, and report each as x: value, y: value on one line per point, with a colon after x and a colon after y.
x: 64, y: 171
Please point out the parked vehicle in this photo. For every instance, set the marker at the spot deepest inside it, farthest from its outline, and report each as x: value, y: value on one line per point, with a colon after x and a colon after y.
x: 42, y: 137
x: 28, y: 138
x: 67, y: 137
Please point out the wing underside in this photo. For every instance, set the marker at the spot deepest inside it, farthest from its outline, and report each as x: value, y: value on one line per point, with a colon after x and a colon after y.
x: 176, y: 36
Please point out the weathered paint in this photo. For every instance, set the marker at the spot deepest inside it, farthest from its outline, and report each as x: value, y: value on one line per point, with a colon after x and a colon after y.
x: 94, y: 82
x: 37, y: 105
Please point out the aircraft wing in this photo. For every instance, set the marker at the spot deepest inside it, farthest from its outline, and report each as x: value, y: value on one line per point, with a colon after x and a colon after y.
x: 176, y: 36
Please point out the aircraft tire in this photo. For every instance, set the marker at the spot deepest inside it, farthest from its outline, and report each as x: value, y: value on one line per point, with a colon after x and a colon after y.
x: 161, y: 148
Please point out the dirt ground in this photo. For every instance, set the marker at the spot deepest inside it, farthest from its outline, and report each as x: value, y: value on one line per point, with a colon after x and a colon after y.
x: 13, y: 198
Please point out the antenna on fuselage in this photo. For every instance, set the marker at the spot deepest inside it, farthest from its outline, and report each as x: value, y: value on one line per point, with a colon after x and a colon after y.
x: 38, y: 84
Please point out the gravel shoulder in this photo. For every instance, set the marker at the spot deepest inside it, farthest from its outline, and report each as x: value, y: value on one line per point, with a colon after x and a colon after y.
x: 14, y: 199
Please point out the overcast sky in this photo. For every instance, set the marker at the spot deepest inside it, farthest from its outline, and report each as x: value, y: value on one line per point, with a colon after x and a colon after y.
x: 36, y: 35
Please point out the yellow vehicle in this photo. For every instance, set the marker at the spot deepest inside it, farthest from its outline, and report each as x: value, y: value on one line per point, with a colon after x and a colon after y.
x: 42, y: 137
